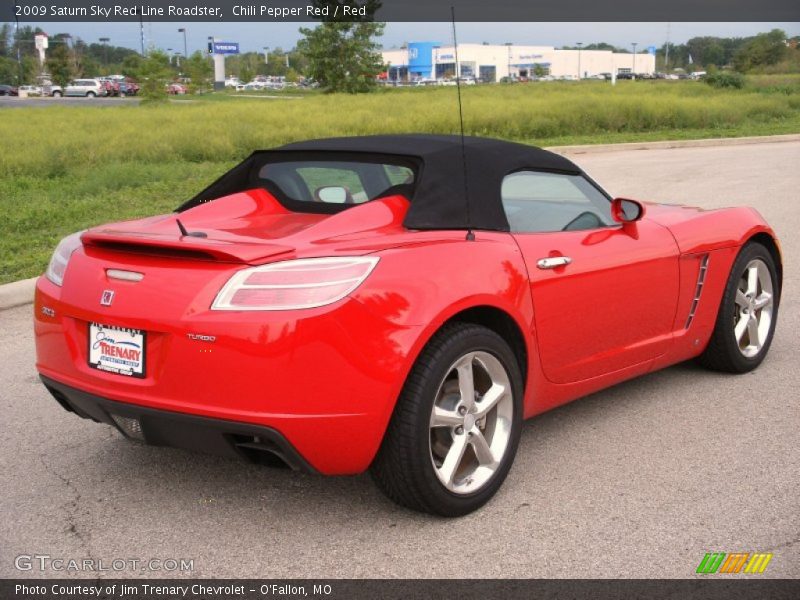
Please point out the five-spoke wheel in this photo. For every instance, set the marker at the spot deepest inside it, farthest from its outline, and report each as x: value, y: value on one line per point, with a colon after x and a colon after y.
x: 470, y: 424
x: 747, y: 315
x: 753, y: 318
x: 456, y: 426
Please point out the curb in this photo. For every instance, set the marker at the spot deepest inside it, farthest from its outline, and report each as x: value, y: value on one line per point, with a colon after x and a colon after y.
x: 670, y: 144
x: 21, y: 292
x: 17, y: 293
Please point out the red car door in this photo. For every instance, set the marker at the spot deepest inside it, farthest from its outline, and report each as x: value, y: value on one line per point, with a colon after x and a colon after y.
x: 604, y: 295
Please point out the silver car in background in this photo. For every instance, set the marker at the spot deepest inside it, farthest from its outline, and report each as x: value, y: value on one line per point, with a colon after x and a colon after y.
x: 90, y: 88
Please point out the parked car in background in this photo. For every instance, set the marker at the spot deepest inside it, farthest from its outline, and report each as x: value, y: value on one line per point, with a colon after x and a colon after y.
x: 8, y: 90
x: 31, y: 90
x: 90, y: 88
x: 110, y: 86
x: 48, y: 87
x: 176, y: 89
x: 128, y: 88
x: 255, y: 86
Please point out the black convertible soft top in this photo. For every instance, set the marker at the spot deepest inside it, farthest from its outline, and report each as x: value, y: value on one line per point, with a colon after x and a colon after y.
x: 438, y: 200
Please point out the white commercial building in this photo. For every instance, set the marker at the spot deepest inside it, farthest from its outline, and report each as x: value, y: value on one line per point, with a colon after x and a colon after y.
x: 491, y: 63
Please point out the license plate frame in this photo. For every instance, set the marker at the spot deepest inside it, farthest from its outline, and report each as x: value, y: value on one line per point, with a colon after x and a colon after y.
x: 118, y: 350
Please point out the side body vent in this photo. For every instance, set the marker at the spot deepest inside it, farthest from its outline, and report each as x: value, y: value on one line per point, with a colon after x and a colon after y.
x: 698, y: 290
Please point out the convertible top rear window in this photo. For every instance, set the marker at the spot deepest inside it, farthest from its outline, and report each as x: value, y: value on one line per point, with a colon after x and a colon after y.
x: 320, y: 185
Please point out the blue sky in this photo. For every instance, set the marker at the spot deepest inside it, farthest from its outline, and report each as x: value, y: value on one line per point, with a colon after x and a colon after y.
x: 254, y: 36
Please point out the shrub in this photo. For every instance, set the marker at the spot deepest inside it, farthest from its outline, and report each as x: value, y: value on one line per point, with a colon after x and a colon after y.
x: 724, y: 79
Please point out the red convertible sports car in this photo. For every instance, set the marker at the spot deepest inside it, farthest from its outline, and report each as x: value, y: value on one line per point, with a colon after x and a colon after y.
x: 393, y: 303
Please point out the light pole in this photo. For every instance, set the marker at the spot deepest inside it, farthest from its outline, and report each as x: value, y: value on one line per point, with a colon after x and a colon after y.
x: 435, y: 63
x: 266, y: 55
x: 185, y: 47
x: 169, y: 53
x: 579, y: 44
x: 104, y: 41
x: 633, y: 67
x: 508, y: 45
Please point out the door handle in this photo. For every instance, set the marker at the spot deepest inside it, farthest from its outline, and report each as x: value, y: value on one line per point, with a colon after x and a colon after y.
x: 553, y: 262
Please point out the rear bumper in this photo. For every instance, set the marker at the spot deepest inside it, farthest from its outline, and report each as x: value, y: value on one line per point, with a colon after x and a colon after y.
x: 325, y: 379
x: 249, y: 442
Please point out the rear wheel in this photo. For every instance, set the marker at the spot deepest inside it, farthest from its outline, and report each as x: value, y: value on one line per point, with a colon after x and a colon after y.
x: 90, y: 94
x: 746, y: 320
x: 57, y: 94
x: 456, y: 427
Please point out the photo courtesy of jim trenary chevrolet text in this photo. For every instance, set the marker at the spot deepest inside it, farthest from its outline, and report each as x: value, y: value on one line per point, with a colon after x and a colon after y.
x: 396, y: 299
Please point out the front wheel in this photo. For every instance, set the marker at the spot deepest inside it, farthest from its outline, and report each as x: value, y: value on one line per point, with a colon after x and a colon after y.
x: 748, y: 313
x: 57, y: 94
x: 456, y: 427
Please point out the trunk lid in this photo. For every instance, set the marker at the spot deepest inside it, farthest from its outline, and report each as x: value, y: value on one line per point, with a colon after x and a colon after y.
x: 249, y: 228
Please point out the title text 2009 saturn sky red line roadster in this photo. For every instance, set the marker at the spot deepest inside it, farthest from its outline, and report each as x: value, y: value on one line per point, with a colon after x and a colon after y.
x: 393, y: 303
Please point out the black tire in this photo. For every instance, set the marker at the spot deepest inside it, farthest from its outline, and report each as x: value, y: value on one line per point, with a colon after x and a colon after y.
x: 90, y: 94
x: 403, y: 468
x: 57, y: 94
x: 723, y: 351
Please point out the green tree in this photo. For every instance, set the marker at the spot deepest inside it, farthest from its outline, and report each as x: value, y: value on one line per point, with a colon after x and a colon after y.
x: 246, y: 74
x: 154, y: 75
x: 344, y: 57
x: 762, y: 50
x: 276, y: 66
x: 199, y: 70
x: 131, y: 65
x: 5, y: 40
x: 60, y: 64
x: 8, y: 69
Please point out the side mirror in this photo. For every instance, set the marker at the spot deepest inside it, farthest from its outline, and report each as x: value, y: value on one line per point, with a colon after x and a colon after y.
x: 334, y: 194
x: 626, y: 211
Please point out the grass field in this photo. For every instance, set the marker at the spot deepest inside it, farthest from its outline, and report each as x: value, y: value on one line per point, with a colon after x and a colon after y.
x: 65, y: 168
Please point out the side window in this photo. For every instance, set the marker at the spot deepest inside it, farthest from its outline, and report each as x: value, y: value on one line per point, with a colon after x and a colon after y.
x: 536, y: 202
x: 399, y: 175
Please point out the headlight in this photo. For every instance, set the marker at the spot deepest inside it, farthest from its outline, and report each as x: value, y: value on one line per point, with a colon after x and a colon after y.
x: 58, y: 263
x: 294, y: 284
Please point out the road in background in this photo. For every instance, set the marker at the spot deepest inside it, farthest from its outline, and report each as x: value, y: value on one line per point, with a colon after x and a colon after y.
x: 637, y: 481
x: 15, y: 102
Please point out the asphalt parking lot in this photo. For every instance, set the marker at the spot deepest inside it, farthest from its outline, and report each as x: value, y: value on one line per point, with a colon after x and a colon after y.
x: 637, y: 481
x: 46, y: 102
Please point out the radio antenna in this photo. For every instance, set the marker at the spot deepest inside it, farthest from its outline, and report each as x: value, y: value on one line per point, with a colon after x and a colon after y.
x: 470, y: 234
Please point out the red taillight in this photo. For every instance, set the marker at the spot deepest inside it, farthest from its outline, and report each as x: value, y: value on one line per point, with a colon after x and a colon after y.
x: 294, y: 284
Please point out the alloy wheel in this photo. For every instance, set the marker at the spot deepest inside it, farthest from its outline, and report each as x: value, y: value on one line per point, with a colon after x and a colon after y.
x: 470, y: 423
x: 754, y: 304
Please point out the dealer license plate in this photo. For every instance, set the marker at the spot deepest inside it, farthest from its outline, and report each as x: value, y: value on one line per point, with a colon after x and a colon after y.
x: 117, y: 350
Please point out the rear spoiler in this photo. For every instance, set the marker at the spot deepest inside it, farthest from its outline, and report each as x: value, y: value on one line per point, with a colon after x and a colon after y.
x: 186, y: 247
